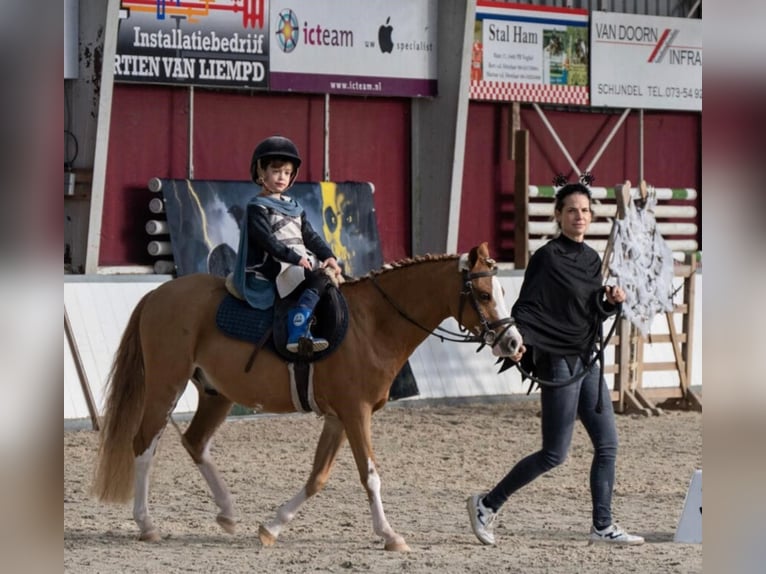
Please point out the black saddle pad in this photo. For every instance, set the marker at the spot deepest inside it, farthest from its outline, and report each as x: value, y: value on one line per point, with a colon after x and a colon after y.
x: 241, y: 321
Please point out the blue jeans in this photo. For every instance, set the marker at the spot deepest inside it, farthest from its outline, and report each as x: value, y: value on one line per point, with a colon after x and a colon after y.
x: 560, y: 407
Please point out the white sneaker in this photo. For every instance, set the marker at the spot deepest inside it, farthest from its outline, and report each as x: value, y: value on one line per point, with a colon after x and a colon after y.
x: 613, y: 534
x: 481, y: 518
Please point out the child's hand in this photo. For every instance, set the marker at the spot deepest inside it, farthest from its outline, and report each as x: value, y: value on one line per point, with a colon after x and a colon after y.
x: 332, y: 263
x: 305, y: 263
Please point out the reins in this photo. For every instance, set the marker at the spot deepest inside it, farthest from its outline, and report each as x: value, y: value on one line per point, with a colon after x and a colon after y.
x: 597, y: 356
x: 488, y: 336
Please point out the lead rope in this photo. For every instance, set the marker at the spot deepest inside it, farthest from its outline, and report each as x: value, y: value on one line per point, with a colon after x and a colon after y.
x: 599, y: 356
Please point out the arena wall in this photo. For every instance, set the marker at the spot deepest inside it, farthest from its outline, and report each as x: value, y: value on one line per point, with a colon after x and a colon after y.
x: 99, y: 308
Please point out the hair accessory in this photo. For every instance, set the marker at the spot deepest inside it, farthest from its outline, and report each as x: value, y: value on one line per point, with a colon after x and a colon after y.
x: 559, y: 180
x: 587, y: 178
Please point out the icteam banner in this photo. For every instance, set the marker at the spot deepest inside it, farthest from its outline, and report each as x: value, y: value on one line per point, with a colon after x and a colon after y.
x: 529, y: 54
x: 370, y: 47
x: 648, y: 62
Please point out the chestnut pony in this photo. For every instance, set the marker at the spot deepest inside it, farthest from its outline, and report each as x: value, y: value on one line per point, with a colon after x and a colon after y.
x: 172, y: 338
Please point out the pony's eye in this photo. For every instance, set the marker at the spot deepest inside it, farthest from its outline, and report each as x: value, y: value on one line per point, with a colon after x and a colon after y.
x: 485, y: 297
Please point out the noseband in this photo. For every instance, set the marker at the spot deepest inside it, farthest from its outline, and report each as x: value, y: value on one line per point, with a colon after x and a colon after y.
x: 488, y: 334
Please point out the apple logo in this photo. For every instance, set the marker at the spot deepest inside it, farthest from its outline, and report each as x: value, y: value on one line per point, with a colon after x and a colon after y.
x: 384, y: 37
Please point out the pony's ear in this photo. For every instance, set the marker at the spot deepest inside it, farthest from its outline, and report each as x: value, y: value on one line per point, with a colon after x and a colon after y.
x: 480, y: 253
x: 483, y: 251
x: 473, y: 257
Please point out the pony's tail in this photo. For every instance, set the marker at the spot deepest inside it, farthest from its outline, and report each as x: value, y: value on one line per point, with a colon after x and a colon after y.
x: 123, y: 410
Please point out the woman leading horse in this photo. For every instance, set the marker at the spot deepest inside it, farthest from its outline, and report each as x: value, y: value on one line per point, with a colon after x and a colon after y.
x: 172, y: 337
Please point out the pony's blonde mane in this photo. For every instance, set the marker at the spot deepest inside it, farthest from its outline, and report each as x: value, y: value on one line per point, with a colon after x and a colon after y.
x: 403, y: 263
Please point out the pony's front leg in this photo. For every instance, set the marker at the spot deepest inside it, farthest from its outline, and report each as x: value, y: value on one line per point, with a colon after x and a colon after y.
x: 361, y: 444
x: 380, y: 525
x: 332, y: 438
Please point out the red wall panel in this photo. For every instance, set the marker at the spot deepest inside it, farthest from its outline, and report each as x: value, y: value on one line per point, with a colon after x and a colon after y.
x: 369, y: 141
x: 149, y: 138
x: 671, y: 159
x: 483, y: 177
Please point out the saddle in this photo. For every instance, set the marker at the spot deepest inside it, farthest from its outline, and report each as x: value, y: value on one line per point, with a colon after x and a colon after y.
x: 268, y: 327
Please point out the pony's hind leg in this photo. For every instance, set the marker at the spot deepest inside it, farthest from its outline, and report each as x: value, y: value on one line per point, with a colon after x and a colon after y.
x: 332, y: 438
x: 143, y: 465
x: 144, y: 446
x: 159, y: 403
x: 211, y: 412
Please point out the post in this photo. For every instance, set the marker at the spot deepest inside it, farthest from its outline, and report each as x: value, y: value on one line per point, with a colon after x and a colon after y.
x: 80, y: 371
x: 102, y: 137
x: 521, y: 200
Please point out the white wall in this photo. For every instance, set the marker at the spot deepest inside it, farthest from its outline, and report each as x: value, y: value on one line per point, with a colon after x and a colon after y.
x: 99, y: 310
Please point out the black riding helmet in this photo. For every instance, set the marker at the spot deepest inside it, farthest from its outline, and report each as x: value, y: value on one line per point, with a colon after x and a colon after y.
x: 275, y: 147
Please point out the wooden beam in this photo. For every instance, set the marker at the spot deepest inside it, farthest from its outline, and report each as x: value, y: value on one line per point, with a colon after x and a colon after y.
x: 521, y: 200
x: 81, y: 374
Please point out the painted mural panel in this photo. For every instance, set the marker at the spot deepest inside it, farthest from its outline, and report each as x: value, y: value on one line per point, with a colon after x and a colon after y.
x: 204, y: 219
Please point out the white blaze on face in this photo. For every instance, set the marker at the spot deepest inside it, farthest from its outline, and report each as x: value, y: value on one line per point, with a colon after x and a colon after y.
x: 498, y: 296
x: 506, y: 344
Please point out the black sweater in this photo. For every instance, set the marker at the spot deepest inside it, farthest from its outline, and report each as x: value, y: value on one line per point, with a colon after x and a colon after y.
x: 557, y: 309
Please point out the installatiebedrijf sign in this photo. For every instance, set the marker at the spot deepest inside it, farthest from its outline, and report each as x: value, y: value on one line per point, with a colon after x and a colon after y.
x: 646, y: 62
x: 371, y: 48
x: 223, y: 43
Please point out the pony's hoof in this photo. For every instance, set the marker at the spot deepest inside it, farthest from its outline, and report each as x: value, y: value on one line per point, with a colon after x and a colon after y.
x: 226, y: 523
x: 152, y: 535
x: 267, y: 538
x: 398, y: 546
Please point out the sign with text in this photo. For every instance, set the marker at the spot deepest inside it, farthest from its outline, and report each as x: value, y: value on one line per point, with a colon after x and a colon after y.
x: 529, y: 54
x: 648, y: 62
x: 223, y: 43
x: 370, y: 48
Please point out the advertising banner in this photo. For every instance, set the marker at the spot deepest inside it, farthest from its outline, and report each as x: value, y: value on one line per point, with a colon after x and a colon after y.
x: 223, y: 43
x: 369, y: 48
x: 648, y: 62
x: 529, y: 54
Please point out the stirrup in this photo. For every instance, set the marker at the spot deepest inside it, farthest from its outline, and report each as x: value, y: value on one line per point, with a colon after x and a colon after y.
x: 307, y: 345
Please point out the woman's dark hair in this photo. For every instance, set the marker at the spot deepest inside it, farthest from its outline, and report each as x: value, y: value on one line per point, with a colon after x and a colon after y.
x: 568, y: 190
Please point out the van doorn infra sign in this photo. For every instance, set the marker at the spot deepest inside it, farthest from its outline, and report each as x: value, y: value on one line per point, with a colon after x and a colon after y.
x: 648, y: 62
x: 222, y: 43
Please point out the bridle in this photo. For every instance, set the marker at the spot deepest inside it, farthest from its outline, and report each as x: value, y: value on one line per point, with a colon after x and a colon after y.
x: 491, y: 332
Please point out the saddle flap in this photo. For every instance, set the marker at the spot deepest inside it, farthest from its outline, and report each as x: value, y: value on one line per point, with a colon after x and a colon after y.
x: 330, y: 323
x: 238, y: 320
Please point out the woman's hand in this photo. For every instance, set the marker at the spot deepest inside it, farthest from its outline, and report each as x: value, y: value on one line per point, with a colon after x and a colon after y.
x: 614, y: 294
x: 516, y: 357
